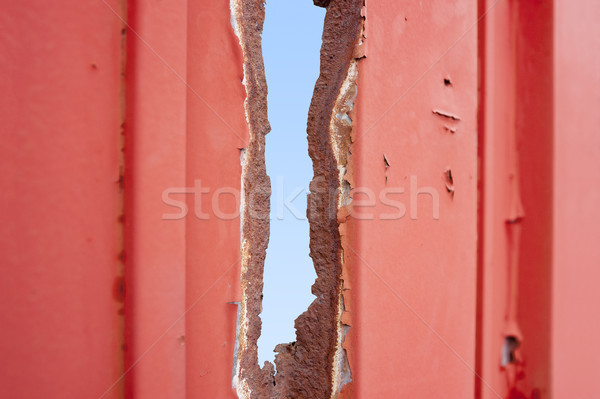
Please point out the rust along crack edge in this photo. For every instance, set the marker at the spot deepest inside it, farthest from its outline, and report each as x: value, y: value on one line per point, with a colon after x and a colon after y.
x: 315, y: 365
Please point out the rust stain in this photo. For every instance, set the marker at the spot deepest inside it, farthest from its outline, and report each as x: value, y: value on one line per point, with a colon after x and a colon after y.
x: 119, y: 289
x: 315, y: 366
x: 119, y: 285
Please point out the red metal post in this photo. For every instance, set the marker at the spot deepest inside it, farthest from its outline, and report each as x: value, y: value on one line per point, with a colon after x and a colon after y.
x: 155, y: 153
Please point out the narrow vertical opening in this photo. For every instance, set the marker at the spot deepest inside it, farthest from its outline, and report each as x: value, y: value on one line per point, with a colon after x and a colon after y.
x: 291, y: 44
x: 309, y: 366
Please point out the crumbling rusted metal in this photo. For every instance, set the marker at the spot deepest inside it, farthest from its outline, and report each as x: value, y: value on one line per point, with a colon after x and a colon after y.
x: 256, y: 189
x: 321, y: 3
x: 305, y: 368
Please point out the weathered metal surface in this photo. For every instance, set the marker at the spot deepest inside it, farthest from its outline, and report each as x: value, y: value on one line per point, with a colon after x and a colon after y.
x: 60, y: 235
x: 216, y: 130
x: 250, y: 380
x: 516, y: 148
x: 397, y: 279
x: 412, y: 262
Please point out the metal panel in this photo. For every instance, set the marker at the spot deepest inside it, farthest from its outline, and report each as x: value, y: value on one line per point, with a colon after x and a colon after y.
x: 217, y: 131
x: 155, y: 166
x: 516, y: 147
x: 576, y: 253
x: 413, y: 279
x: 59, y: 167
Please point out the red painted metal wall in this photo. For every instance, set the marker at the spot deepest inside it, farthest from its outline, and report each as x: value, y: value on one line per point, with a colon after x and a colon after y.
x: 479, y: 117
x: 217, y: 131
x: 61, y: 112
x: 539, y: 85
x: 575, y: 359
x: 413, y: 278
x: 516, y: 196
x: 155, y: 154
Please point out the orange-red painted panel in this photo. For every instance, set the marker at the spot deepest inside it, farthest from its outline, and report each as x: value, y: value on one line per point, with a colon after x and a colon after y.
x: 516, y: 201
x: 497, y: 125
x: 576, y: 315
x: 59, y: 168
x: 217, y: 131
x: 155, y: 164
x: 414, y: 278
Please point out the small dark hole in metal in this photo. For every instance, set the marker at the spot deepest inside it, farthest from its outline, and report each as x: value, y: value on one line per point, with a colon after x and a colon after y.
x: 511, y: 343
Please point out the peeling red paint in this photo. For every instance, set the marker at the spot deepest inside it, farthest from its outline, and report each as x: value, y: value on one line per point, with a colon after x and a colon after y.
x: 412, y: 280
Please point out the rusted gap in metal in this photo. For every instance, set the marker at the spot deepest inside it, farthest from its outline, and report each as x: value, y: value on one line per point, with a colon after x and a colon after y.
x: 315, y: 366
x: 247, y: 20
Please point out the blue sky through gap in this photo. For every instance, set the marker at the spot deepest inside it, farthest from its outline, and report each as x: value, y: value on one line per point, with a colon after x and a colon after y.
x: 291, y: 44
